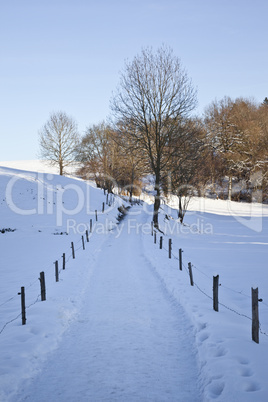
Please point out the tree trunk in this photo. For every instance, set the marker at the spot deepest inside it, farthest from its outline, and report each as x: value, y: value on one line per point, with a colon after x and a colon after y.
x: 61, y: 168
x: 156, y: 202
x: 130, y: 194
x: 131, y: 186
x: 180, y: 212
x: 230, y: 188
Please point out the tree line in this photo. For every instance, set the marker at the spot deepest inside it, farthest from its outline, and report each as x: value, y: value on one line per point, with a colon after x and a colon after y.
x: 152, y: 131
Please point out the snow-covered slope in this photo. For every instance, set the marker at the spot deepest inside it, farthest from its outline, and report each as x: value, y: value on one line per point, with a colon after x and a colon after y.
x: 37, y: 165
x: 41, y: 215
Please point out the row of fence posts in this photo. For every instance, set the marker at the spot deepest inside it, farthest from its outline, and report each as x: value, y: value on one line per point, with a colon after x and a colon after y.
x: 42, y: 279
x: 56, y: 263
x: 254, y: 292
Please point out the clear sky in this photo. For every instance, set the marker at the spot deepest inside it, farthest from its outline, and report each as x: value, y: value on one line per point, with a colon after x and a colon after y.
x: 66, y: 55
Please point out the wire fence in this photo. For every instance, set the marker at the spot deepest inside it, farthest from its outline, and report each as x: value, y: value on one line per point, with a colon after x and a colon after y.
x: 78, y: 245
x: 201, y: 289
x: 47, y: 268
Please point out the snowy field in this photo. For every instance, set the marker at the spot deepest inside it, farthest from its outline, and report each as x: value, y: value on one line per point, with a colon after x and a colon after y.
x: 123, y: 322
x: 38, y: 166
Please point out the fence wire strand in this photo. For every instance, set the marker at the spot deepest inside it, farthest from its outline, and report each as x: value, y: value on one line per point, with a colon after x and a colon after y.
x: 9, y: 322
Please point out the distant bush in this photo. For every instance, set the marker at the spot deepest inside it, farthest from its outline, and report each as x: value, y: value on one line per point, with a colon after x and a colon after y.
x: 122, y: 212
x: 4, y: 230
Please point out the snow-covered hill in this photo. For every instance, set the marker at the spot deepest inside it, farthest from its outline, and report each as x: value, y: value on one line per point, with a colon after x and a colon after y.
x: 129, y: 301
x: 37, y: 165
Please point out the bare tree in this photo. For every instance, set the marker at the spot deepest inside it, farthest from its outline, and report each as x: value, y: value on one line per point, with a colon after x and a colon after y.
x: 99, y: 155
x: 104, y: 158
x: 58, y: 140
x: 182, y: 177
x: 133, y: 164
x: 154, y: 95
x: 235, y: 132
x: 224, y: 136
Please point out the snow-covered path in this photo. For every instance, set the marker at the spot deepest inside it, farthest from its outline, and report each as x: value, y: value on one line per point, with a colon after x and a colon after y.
x: 130, y: 341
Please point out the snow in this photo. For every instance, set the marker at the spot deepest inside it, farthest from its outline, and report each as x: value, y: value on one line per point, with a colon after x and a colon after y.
x: 123, y: 322
x: 37, y: 165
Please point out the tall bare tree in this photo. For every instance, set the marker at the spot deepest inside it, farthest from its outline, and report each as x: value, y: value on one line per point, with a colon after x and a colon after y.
x: 154, y: 95
x: 182, y: 177
x: 133, y: 164
x: 97, y: 152
x: 104, y: 158
x: 58, y: 139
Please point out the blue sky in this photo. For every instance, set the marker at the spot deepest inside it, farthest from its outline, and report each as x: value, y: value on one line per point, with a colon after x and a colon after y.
x: 67, y: 55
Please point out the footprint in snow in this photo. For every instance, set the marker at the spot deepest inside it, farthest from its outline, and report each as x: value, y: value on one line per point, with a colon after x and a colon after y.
x: 251, y: 386
x: 218, y: 351
x: 203, y: 337
x: 242, y: 360
x: 202, y: 326
x: 216, y: 388
x: 245, y: 372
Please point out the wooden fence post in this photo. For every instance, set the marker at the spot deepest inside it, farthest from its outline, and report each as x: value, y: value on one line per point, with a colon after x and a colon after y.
x: 216, y: 293
x: 152, y: 227
x: 255, y: 315
x: 57, y: 271
x: 161, y: 242
x: 191, y: 274
x: 169, y: 248
x: 43, y: 286
x: 107, y: 198
x: 180, y: 259
x: 155, y: 237
x: 23, y: 309
x: 103, y: 206
x: 87, y: 236
x: 72, y: 245
x: 96, y: 215
x: 83, y: 242
x: 63, y: 261
x: 90, y: 225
